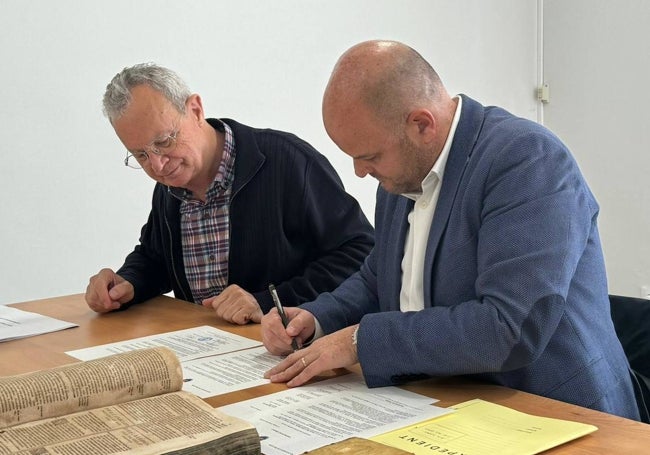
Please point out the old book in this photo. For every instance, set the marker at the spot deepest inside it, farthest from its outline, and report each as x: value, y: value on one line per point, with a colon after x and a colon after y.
x: 130, y: 402
x: 358, y: 446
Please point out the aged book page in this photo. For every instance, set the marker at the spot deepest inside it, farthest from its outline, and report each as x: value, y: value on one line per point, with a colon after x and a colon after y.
x: 125, y: 403
x: 88, y: 385
x: 178, y: 423
x: 358, y: 446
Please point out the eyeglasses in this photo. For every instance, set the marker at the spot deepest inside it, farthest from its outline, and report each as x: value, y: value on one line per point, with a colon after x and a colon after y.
x: 137, y: 160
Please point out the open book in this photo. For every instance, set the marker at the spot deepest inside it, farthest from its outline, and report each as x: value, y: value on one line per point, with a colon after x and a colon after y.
x: 125, y: 403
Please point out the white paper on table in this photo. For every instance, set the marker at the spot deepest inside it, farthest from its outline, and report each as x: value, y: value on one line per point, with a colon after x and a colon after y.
x: 210, y: 376
x: 305, y: 418
x: 15, y: 324
x: 188, y: 344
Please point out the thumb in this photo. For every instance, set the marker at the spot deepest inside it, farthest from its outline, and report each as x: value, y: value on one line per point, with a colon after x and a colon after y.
x: 295, y: 326
x: 122, y: 292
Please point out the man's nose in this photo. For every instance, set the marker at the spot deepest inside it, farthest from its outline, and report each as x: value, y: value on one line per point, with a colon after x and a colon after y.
x: 158, y: 162
x: 361, y: 169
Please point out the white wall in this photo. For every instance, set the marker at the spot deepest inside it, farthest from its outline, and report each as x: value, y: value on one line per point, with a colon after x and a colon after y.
x: 597, y: 63
x: 69, y: 206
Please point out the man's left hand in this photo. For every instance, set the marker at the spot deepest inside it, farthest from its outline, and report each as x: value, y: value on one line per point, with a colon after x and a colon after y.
x: 235, y: 305
x: 332, y: 351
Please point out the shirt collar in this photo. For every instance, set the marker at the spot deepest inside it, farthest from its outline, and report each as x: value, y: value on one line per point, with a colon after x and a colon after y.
x: 434, y: 176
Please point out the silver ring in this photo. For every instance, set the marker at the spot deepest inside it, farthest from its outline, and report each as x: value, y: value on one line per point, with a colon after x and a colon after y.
x: 304, y: 364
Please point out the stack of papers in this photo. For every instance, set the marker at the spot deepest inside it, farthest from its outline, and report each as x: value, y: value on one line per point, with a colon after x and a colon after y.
x: 314, y: 415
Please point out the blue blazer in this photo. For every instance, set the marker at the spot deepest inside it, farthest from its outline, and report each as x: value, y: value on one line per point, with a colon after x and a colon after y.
x: 515, y: 287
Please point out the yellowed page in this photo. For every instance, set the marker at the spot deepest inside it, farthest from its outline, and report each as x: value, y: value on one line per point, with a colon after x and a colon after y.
x: 358, y: 446
x: 87, y: 385
x: 161, y: 424
x: 482, y: 428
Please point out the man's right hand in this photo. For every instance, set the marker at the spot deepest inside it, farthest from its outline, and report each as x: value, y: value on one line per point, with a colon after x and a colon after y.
x: 277, y: 339
x: 107, y: 291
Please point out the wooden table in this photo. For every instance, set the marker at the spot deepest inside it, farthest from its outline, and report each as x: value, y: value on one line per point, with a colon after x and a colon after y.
x: 615, y: 435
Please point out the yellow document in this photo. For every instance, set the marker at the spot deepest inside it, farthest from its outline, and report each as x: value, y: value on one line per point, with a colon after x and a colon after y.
x: 482, y: 428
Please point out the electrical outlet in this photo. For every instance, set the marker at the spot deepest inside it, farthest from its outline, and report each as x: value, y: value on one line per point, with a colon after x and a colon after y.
x: 645, y: 291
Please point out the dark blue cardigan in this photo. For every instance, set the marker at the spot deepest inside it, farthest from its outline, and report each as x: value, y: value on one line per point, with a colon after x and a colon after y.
x: 291, y: 224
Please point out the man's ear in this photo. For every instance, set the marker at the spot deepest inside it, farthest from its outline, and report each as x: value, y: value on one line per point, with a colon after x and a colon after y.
x: 195, y: 107
x: 421, y: 126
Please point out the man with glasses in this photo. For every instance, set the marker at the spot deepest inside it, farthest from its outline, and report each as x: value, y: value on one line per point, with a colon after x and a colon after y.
x: 234, y: 210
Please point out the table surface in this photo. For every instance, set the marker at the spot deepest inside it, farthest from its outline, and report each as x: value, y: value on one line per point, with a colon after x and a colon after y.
x: 615, y: 435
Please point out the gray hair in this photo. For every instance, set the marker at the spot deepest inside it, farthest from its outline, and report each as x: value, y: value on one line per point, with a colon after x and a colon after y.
x: 118, y: 92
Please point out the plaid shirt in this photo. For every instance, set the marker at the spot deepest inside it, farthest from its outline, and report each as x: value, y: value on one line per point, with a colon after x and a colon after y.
x: 205, y: 230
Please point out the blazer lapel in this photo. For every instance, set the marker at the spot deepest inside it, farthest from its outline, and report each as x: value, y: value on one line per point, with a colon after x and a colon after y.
x: 469, y: 126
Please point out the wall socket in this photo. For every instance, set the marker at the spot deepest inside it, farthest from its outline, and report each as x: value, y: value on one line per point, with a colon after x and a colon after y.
x: 645, y: 291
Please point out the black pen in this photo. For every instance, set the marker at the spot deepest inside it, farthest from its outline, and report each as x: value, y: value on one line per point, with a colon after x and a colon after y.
x: 283, y: 316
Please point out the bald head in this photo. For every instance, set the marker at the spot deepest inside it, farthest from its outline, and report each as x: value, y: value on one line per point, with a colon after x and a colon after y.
x: 388, y: 78
x: 386, y: 107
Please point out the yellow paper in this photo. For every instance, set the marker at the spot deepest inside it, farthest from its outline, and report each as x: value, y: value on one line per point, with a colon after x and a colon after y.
x: 478, y: 427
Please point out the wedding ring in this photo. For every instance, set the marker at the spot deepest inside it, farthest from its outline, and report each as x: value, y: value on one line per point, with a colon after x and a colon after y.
x: 304, y: 364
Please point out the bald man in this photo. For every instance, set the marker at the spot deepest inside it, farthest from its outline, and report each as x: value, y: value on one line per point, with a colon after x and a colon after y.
x: 487, y: 260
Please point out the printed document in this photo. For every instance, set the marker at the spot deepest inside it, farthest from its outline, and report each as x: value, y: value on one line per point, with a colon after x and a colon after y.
x: 482, y: 428
x: 314, y: 415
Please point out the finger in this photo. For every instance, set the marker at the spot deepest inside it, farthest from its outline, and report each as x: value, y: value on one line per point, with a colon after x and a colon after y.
x: 300, y: 372
x: 121, y: 292
x: 305, y: 376
x: 225, y: 308
x: 274, y: 336
x: 256, y: 316
x: 274, y: 344
x: 300, y: 323
x: 216, y: 301
x: 241, y: 316
x: 207, y: 302
x: 285, y: 370
x: 249, y: 310
x: 283, y: 334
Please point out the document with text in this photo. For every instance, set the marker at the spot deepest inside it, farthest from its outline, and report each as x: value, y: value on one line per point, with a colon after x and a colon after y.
x: 482, y: 428
x: 314, y: 415
x: 15, y: 324
x: 214, y: 361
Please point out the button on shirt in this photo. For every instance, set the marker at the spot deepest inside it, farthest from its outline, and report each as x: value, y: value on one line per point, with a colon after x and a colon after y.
x: 205, y: 230
x: 419, y: 219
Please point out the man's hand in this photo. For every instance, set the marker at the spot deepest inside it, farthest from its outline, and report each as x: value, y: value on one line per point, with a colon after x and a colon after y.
x: 332, y: 351
x: 277, y: 339
x: 235, y: 305
x: 107, y: 291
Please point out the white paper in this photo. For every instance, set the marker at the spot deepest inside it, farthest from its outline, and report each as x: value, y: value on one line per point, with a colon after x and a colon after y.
x: 210, y: 376
x: 214, y: 361
x: 15, y: 323
x: 305, y: 418
x: 188, y: 344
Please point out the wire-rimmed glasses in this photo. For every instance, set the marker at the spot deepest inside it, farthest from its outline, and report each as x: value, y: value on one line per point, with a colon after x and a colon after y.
x: 137, y: 160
